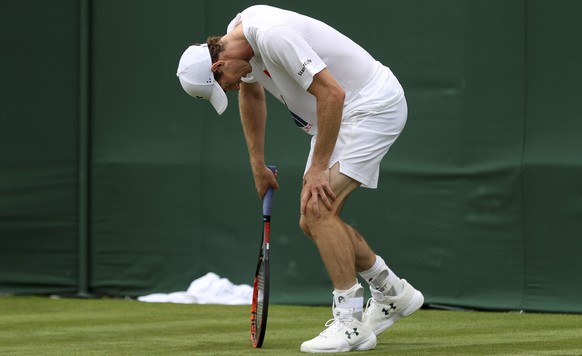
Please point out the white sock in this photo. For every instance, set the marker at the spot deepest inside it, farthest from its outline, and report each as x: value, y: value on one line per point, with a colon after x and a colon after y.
x: 382, y: 279
x: 349, y: 303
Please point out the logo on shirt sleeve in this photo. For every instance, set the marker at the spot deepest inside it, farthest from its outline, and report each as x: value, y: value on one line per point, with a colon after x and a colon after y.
x: 300, y: 73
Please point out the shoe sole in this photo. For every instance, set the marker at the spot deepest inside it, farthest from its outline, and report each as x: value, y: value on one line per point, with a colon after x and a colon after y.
x: 415, y: 304
x: 367, y: 344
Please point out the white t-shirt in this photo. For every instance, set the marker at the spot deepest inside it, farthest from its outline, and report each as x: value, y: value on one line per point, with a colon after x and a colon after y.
x: 290, y: 49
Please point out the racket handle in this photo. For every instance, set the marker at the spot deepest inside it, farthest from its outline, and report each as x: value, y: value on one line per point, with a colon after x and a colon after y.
x: 268, y: 196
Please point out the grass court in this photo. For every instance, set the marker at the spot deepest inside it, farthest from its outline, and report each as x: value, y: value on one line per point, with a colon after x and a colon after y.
x: 63, y: 326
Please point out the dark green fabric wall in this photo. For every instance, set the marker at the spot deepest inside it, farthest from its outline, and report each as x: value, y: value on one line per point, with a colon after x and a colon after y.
x: 479, y: 202
x: 38, y: 146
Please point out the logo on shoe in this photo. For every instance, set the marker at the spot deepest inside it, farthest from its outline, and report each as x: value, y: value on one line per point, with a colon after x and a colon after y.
x: 379, y: 288
x: 355, y: 332
x: 387, y: 311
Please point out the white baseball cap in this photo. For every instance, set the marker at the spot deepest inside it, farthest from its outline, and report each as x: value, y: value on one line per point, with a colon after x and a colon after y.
x: 197, y: 79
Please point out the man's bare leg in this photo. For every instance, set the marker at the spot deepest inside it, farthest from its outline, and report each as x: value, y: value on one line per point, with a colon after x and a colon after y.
x: 343, y: 250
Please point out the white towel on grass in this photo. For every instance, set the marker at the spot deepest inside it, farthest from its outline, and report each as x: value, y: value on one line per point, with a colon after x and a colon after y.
x: 209, y: 289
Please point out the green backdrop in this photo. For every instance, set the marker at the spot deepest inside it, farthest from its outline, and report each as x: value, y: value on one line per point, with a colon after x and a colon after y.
x: 114, y: 181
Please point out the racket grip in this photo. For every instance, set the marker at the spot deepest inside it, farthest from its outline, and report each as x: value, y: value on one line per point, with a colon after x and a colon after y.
x: 268, y: 196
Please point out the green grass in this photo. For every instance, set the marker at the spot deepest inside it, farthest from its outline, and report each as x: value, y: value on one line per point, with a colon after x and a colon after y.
x: 44, y: 326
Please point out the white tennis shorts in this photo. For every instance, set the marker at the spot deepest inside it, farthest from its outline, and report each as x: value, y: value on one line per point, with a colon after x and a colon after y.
x: 364, y: 139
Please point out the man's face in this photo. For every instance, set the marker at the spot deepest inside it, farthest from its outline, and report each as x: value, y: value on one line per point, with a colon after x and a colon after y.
x: 232, y: 71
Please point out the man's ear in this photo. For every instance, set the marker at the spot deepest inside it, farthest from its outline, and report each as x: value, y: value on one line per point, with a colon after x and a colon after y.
x: 217, y: 66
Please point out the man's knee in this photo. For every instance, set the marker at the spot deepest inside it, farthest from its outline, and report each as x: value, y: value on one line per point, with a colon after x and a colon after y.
x: 303, y: 224
x: 310, y: 224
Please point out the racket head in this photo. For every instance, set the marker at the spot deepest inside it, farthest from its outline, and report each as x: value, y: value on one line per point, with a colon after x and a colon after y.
x: 260, y: 302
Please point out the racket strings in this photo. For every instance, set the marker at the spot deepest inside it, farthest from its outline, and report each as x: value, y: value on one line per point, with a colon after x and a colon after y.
x: 260, y: 294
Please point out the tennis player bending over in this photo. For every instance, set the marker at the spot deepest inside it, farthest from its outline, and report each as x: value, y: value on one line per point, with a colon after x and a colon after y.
x: 354, y: 109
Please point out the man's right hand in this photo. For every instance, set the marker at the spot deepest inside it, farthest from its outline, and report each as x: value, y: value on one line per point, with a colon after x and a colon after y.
x: 265, y: 178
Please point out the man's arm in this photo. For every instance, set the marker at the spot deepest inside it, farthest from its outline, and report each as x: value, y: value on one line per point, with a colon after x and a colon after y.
x: 253, y: 114
x: 330, y: 98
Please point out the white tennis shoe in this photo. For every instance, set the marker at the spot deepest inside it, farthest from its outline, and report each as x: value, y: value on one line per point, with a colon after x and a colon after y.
x: 341, y: 336
x: 382, y: 311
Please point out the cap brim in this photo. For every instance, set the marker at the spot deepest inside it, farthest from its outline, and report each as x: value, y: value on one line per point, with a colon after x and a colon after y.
x: 218, y: 99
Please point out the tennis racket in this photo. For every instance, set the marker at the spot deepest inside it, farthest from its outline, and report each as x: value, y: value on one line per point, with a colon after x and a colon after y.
x: 260, y: 304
